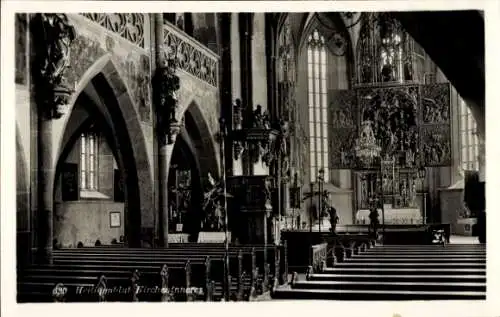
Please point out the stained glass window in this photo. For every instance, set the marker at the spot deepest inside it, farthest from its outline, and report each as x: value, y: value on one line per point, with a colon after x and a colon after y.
x: 469, y: 142
x: 317, y: 91
x: 88, y: 160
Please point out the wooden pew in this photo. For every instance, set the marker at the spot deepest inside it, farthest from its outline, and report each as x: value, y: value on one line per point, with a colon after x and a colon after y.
x: 118, y: 263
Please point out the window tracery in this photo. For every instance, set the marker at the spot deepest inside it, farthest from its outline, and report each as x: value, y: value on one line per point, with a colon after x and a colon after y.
x: 89, y: 155
x: 317, y: 101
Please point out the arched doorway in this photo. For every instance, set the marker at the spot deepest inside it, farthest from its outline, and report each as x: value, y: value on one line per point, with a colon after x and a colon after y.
x: 109, y: 203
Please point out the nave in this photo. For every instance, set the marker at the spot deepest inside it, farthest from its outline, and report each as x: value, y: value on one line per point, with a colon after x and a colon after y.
x: 347, y: 268
x: 213, y: 170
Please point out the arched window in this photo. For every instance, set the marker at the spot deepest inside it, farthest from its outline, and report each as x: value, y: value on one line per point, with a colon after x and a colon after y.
x: 469, y: 142
x: 317, y: 101
x: 89, y: 161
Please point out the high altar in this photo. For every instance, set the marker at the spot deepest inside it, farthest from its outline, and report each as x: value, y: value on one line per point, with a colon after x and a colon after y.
x: 402, y: 129
x: 390, y: 126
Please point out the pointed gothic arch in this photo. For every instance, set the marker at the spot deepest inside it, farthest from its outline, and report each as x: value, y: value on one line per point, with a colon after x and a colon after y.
x: 111, y: 102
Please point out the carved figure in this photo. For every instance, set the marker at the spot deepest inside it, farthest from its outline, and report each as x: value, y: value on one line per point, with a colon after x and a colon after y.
x: 102, y: 288
x: 268, y: 193
x: 168, y: 84
x: 414, y: 193
x: 53, y: 36
x: 343, y: 158
x: 404, y: 192
x: 237, y: 108
x: 364, y: 190
x: 367, y: 136
x: 334, y: 219
x: 58, y: 35
x: 258, y: 117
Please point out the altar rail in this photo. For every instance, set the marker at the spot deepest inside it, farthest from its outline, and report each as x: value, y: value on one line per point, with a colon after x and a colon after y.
x: 307, y: 250
x: 192, y: 56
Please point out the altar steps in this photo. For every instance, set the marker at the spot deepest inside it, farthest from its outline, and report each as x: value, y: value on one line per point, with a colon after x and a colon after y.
x: 399, y: 286
x: 451, y: 272
x: 402, y: 265
x: 480, y: 278
x: 433, y: 259
x: 372, y: 295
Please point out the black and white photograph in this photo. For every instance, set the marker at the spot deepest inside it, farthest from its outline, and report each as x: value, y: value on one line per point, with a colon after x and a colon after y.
x: 237, y: 156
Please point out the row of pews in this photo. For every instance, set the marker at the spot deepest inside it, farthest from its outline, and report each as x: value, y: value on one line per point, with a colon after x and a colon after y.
x: 182, y: 272
x: 390, y: 272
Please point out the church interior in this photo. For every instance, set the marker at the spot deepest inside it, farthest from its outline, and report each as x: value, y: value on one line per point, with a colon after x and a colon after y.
x: 250, y: 156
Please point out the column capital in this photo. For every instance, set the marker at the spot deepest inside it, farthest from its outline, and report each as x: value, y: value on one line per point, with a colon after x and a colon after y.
x: 53, y: 35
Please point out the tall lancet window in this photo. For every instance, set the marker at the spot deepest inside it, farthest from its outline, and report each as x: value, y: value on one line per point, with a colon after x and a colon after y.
x: 88, y: 161
x: 469, y: 141
x: 317, y: 100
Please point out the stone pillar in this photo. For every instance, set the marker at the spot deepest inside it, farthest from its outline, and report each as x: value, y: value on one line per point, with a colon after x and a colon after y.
x: 46, y: 177
x: 51, y: 33
x: 166, y: 85
x: 162, y: 146
x: 163, y: 184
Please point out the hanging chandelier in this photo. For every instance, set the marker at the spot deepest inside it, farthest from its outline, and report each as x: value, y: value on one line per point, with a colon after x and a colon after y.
x: 367, y: 147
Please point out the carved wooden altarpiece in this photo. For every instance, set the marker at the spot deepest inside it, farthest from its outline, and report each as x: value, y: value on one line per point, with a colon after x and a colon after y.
x: 411, y: 123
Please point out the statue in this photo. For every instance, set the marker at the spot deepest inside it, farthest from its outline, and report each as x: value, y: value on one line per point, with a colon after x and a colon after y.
x: 367, y: 135
x: 334, y: 219
x: 343, y: 157
x: 404, y: 193
x: 168, y: 84
x: 364, y: 190
x: 268, y: 193
x: 237, y: 108
x: 385, y: 184
x: 414, y: 193
x: 258, y: 117
x: 101, y: 288
x: 58, y: 35
x: 212, y: 204
x: 53, y: 36
x: 374, y: 221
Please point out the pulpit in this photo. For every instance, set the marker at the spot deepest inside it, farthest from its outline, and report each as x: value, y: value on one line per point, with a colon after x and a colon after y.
x: 250, y: 208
